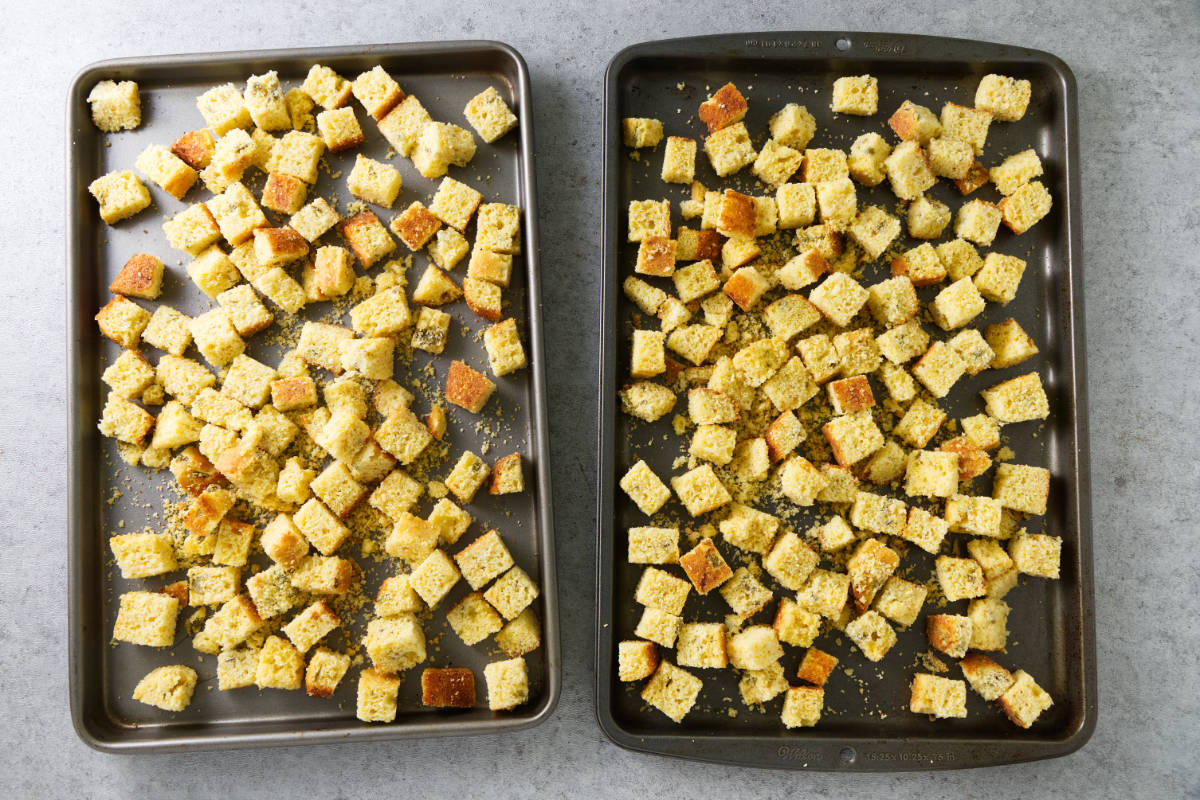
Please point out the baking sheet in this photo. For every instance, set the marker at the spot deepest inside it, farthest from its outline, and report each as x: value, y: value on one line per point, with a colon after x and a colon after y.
x: 866, y: 725
x: 108, y: 497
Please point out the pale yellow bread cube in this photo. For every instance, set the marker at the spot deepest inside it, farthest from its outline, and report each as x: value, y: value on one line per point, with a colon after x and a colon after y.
x: 938, y: 697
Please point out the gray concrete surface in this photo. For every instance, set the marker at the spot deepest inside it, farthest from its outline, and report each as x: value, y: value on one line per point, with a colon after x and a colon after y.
x: 1137, y: 73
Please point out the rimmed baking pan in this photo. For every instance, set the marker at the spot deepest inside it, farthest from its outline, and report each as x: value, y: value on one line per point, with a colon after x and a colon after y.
x: 107, y: 497
x: 866, y: 725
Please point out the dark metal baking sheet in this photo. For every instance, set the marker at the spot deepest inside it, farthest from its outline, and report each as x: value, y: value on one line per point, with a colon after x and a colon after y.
x: 444, y: 75
x: 867, y: 725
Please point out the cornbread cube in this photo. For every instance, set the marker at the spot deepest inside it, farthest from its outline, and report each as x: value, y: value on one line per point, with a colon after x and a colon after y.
x: 852, y: 437
x: 381, y: 314
x: 115, y: 106
x: 1015, y: 171
x: 802, y: 706
x: 900, y: 385
x: 483, y: 298
x: 389, y: 396
x: 636, y: 660
x: 436, y: 288
x: 277, y: 247
x: 693, y: 342
x: 450, y: 247
x: 674, y: 314
x: 484, y: 559
x: 749, y: 529
x: 167, y: 170
x: 924, y: 530
x: 713, y: 443
x: 857, y: 95
x: 412, y: 539
x: 379, y: 93
x: 978, y: 221
x: 942, y: 698
x: 504, y: 350
x: 646, y: 218
x: 760, y: 360
x: 146, y: 618
x: 790, y: 388
x: 759, y: 686
x: 143, y: 555
x: 887, y: 464
x: 498, y: 227
x: 824, y: 164
x: 124, y: 421
x: 931, y: 474
x: 824, y: 593
x: 520, y: 636
x: 129, y: 375
x: 639, y: 132
x: 403, y: 435
x: 949, y: 633
x: 878, y: 514
x: 297, y: 154
x: 835, y: 534
x: 312, y: 221
x: 872, y: 634
x: 920, y: 423
x: 324, y: 575
x: 246, y: 312
x: 473, y: 619
x: 951, y: 158
x: 857, y: 352
x: 939, y: 369
x: 325, y: 671
x: 987, y: 678
x: 377, y: 693
x: 658, y: 627
x: 869, y: 568
x: 490, y: 116
x: 837, y: 202
x: 338, y: 490
x: 272, y: 591
x: 672, y: 690
x: 989, y: 623
x: 693, y: 281
x: 370, y: 180
x: 453, y: 687
x: 236, y: 668
x: 440, y: 144
x: 311, y: 625
x: 800, y: 481
x: 873, y: 229
x: 991, y: 557
x: 195, y: 148
x: 656, y: 256
x: 679, y: 160
x: 213, y: 272
x: 659, y: 590
x: 468, y: 475
x: 796, y: 204
x: 978, y: 515
x: 755, y: 647
x: 403, y: 124
x: 340, y: 129
x: 396, y: 597
x: 705, y: 566
x: 234, y: 153
x: 1036, y: 554
x: 867, y: 156
x: 332, y: 273
x: 468, y: 388
x: 914, y: 123
x: 700, y: 490
x: 839, y: 298
x: 1007, y: 340
x: 169, y: 688
x: 729, y: 149
x: 927, y: 218
x: 776, y: 162
x: 372, y: 358
x: 233, y: 543
x: 454, y: 203
x: 900, y: 600
x: 1024, y: 701
x: 790, y: 561
x: 894, y: 301
x: 920, y: 265
x: 966, y: 124
x: 1018, y: 399
x: 702, y: 645
x: 782, y: 437
x: 367, y: 238
x: 999, y: 278
x: 795, y: 625
x: 319, y: 525
x: 789, y: 316
x: 495, y: 267
x: 223, y: 109
x: 725, y: 107
x: 264, y: 102
x: 960, y: 578
x: 974, y: 350
x: 909, y: 170
x: 1003, y: 97
x: 972, y: 460
x: 514, y: 591
x: 1026, y: 206
x: 820, y: 357
x: 325, y: 86
x: 648, y: 545
x: 120, y: 195
x: 395, y: 643
x: 248, y: 381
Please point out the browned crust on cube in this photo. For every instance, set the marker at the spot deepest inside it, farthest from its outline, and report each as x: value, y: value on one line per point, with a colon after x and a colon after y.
x: 416, y: 226
x: 498, y: 471
x: 708, y: 245
x: 284, y: 241
x: 289, y: 394
x: 435, y: 422
x: 972, y: 459
x: 904, y: 122
x: 739, y: 214
x: 835, y: 445
x: 448, y: 687
x: 705, y: 566
x: 851, y: 394
x: 203, y: 515
x: 350, y: 229
x: 741, y: 289
x: 283, y: 193
x: 195, y: 149
x: 140, y: 277
x: 775, y: 448
x: 195, y: 472
x: 178, y: 590
x: 977, y: 175
x: 724, y: 108
x: 467, y: 388
x: 942, y: 631
x: 656, y: 256
x: 816, y: 666
x: 900, y: 267
x: 489, y: 313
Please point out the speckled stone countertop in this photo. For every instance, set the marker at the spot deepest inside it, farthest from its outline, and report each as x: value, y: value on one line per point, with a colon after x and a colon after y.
x: 1138, y: 74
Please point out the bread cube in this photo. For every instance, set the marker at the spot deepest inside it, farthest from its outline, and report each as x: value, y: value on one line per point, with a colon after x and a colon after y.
x: 729, y: 149
x: 1024, y: 701
x: 725, y: 107
x: 705, y: 566
x: 873, y: 229
x: 755, y: 647
x: 238, y: 216
x: 966, y: 124
x: 373, y: 181
x: 869, y: 568
x: 1015, y: 171
x: 799, y: 480
x: 367, y: 238
x: 195, y: 148
x: 858, y: 353
x: 939, y: 369
x: 272, y: 590
x: 124, y: 421
x: 325, y: 86
x: 297, y: 154
x: 915, y: 123
x: 636, y: 660
x: 468, y: 388
x: 648, y: 545
x: 790, y: 561
x: 115, y: 106
x: 820, y: 357
x: 498, y: 227
x: 886, y: 465
x: 978, y: 221
x: 311, y: 625
x: 942, y: 698
x: 403, y: 124
x: 129, y: 375
x: 513, y: 592
x: 867, y: 156
x: 839, y: 298
x: 751, y: 460
x: 193, y: 230
x: 749, y: 529
x: 824, y: 593
x: 852, y: 437
x: 872, y: 634
x: 395, y: 643
x: 987, y: 678
x: 639, y: 132
x: 838, y: 202
x: 989, y: 623
x: 960, y: 578
x: 909, y: 170
x: 490, y: 116
x: 700, y: 490
x: 927, y: 218
x: 167, y: 170
x: 659, y: 627
x: 337, y: 489
x: 824, y: 164
x: 377, y: 693
x: 452, y: 687
x: 900, y: 600
x: 325, y: 671
x: 223, y: 109
x: 1018, y: 399
x: 449, y: 248
x: 495, y: 267
x: 143, y: 555
x: 1036, y: 554
x: 484, y: 559
x: 816, y: 666
x: 857, y: 95
x: 793, y: 126
x: 802, y: 706
x: 899, y: 384
x: 713, y: 443
x: 776, y: 163
x: 473, y: 619
x: 672, y: 690
x: 1003, y: 97
x: 952, y: 158
x: 1022, y: 488
x: 120, y: 195
x: 403, y: 435
x: 978, y: 515
x: 878, y: 514
x: 693, y: 342
x: 999, y: 278
x: 1026, y: 206
x: 679, y: 160
x: 168, y: 688
x: 412, y: 539
x: 439, y: 145
x: 146, y: 618
x: 796, y: 204
x: 931, y: 474
x: 1008, y: 342
x: 759, y: 686
x: 702, y: 645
